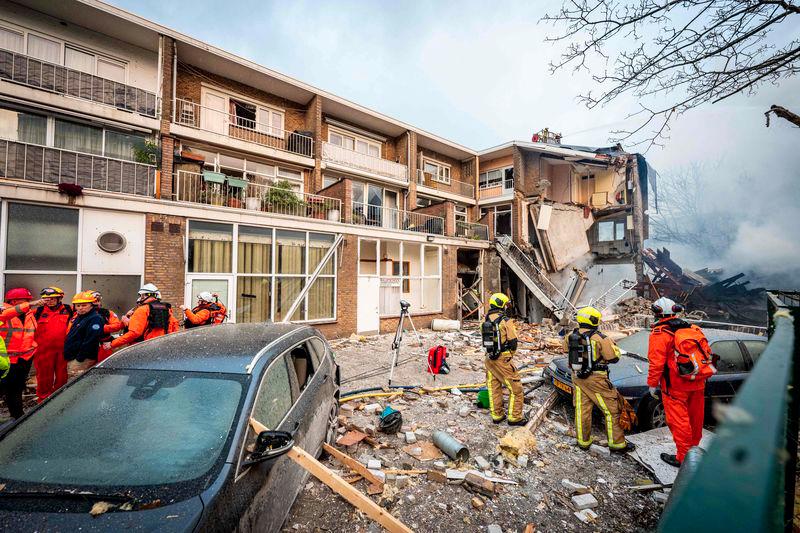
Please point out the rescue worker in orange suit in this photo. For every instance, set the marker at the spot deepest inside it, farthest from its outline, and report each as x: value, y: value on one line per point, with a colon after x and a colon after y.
x: 112, y: 324
x: 52, y: 320
x: 152, y: 318
x: 208, y: 312
x: 684, y: 400
x: 500, y: 371
x: 18, y: 329
x: 591, y: 384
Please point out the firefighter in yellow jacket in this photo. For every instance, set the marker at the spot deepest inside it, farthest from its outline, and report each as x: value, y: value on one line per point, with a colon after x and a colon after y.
x: 590, y: 354
x: 500, y: 340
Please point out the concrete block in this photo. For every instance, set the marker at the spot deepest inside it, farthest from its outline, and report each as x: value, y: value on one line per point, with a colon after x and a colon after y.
x: 374, y: 464
x: 411, y: 437
x: 522, y: 461
x: 600, y: 450
x: 584, y: 501
x: 494, y: 528
x: 482, y: 463
x: 372, y: 408
x: 572, y: 487
x: 660, y: 497
x: 587, y: 516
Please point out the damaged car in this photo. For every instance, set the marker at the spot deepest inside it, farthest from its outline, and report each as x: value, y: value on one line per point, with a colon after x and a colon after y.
x: 738, y: 353
x: 160, y: 436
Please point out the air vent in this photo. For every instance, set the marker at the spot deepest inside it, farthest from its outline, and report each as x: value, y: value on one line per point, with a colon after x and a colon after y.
x: 111, y: 242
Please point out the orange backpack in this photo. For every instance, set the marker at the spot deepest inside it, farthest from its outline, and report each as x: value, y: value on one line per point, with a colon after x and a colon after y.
x: 693, y: 358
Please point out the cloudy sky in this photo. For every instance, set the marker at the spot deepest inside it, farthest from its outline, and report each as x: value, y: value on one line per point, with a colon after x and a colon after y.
x: 478, y: 74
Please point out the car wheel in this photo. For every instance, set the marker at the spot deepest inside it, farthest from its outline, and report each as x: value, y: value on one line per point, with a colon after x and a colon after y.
x: 333, y: 425
x: 654, y: 415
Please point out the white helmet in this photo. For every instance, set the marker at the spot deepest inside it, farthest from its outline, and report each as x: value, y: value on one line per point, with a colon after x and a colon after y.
x: 665, y: 307
x: 148, y: 290
x: 206, y: 297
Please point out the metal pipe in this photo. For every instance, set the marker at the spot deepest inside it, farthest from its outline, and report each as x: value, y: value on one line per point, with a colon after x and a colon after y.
x: 451, y: 447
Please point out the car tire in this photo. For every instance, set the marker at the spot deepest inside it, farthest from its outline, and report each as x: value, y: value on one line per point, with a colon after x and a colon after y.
x: 653, y: 415
x: 333, y: 426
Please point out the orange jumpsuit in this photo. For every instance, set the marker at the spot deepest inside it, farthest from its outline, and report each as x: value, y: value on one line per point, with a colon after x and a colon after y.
x: 209, y: 314
x: 139, y: 329
x: 113, y: 325
x: 684, y: 400
x: 51, y: 331
x: 18, y: 328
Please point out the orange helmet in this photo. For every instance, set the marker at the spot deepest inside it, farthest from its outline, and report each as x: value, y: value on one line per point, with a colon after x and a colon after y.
x: 84, y: 297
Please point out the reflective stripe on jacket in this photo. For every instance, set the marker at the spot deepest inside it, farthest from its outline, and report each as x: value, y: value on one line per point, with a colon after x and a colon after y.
x: 18, y: 329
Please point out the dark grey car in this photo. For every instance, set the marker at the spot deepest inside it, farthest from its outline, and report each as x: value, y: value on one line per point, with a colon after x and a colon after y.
x: 161, y: 431
x: 738, y: 353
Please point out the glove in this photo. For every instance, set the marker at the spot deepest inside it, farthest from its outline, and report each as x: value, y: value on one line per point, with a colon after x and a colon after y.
x: 653, y: 392
x: 106, y: 345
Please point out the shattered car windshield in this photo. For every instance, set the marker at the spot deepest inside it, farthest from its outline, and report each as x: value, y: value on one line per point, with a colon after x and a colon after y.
x: 131, y: 428
x: 636, y: 343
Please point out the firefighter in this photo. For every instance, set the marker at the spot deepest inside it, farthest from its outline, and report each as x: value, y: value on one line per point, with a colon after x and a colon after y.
x: 112, y: 325
x: 18, y: 329
x: 151, y: 318
x: 84, y: 334
x: 209, y: 311
x: 499, y: 369
x: 52, y: 320
x: 591, y: 384
x: 684, y: 400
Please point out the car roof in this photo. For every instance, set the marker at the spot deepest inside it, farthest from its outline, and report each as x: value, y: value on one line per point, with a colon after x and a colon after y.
x: 227, y: 348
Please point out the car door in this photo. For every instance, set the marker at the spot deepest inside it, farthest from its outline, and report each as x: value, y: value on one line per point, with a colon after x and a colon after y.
x: 754, y: 349
x: 731, y: 370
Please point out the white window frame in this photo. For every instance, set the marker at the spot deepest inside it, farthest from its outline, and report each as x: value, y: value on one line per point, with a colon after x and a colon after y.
x: 461, y: 213
x: 483, y: 179
x: 275, y: 177
x: 371, y: 143
x: 442, y: 174
x: 261, y: 108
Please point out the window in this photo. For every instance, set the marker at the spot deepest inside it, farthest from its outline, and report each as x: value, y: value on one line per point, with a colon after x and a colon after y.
x: 496, y: 178
x: 44, y: 49
x: 436, y: 171
x: 755, y: 349
x: 79, y: 60
x: 12, y: 40
x: 409, y: 271
x: 353, y: 142
x: 23, y: 127
x: 42, y: 238
x: 92, y: 63
x: 610, y: 230
x: 111, y: 70
x: 730, y: 356
x: 270, y: 121
x: 78, y: 137
x: 274, y: 395
x: 318, y: 350
x: 210, y: 247
x: 423, y: 202
x: 117, y: 290
x: 461, y: 213
x: 368, y: 257
x: 244, y: 114
x: 124, y: 145
x: 303, y: 366
x: 327, y: 181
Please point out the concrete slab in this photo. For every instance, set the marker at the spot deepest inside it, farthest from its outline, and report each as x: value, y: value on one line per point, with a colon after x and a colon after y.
x: 651, y: 444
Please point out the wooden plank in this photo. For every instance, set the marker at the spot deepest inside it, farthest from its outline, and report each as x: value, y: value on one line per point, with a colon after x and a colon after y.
x: 342, y: 488
x: 537, y: 419
x: 353, y: 465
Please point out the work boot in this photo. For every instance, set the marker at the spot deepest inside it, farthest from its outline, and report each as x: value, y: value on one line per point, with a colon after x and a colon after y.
x: 521, y: 422
x: 499, y: 420
x: 629, y: 447
x: 671, y: 460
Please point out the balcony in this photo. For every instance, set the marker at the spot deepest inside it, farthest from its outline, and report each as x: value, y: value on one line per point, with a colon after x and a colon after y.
x: 205, y: 118
x: 472, y: 230
x: 58, y: 79
x: 390, y: 218
x: 220, y: 190
x: 496, y: 189
x: 351, y: 159
x: 426, y: 179
x: 41, y: 164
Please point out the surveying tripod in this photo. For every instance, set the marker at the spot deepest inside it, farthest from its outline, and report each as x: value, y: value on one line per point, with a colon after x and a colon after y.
x: 398, y: 335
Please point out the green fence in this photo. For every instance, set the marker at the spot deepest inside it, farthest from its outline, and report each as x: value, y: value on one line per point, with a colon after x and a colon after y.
x: 746, y: 480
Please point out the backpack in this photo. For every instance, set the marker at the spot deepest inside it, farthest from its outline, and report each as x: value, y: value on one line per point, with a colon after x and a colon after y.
x: 159, y: 315
x: 490, y: 334
x: 580, y: 353
x: 693, y: 358
x: 437, y: 360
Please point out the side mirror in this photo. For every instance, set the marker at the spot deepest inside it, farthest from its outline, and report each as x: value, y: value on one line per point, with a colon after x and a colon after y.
x: 270, y: 445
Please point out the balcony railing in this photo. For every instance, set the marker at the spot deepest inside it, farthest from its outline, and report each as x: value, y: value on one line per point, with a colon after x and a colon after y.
x: 59, y: 79
x: 389, y: 218
x: 240, y: 194
x: 426, y: 179
x: 495, y: 189
x: 350, y: 158
x: 204, y: 118
x: 472, y: 230
x: 32, y: 162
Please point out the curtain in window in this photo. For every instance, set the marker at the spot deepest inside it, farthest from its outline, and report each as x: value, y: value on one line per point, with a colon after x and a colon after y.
x: 78, y: 137
x: 320, y: 299
x: 253, y: 298
x: 286, y: 292
x: 290, y: 253
x: 79, y: 60
x: 210, y: 247
x: 111, y: 70
x: 255, y: 250
x: 11, y: 40
x: 44, y: 49
x: 123, y: 145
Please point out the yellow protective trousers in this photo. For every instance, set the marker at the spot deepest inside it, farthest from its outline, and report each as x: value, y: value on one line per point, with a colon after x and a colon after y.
x: 499, y: 373
x: 596, y: 390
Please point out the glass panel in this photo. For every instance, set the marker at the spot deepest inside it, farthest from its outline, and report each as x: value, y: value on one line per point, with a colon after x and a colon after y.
x: 361, y: 147
x: 390, y: 254
x: 255, y: 250
x: 430, y: 168
x: 605, y: 231
x: 41, y: 238
x: 290, y: 253
x: 217, y: 287
x: 210, y: 247
x: 78, y: 137
x: 411, y: 255
x: 253, y: 299
x: 368, y: 258
x: 336, y: 139
x: 260, y: 168
x: 274, y: 396
x: 508, y: 181
x: 755, y: 349
x: 227, y: 161
x: 348, y: 142
x: 124, y: 146
x: 12, y: 40
x: 374, y: 151
x: 291, y: 175
x: 730, y: 356
x: 36, y: 282
x: 44, y: 49
x: 327, y: 181
x: 111, y: 70
x: 431, y: 259
x: 119, y: 292
x: 318, y: 246
x: 79, y: 60
x: 320, y: 299
x: 620, y: 235
x: 23, y: 127
x: 317, y: 350
x: 358, y: 193
x: 431, y: 294
x: 286, y: 292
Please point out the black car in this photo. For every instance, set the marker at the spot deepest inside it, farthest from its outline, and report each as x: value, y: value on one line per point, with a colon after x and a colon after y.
x: 738, y: 353
x: 161, y: 432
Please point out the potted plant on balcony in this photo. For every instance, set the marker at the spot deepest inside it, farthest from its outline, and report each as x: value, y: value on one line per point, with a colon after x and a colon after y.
x: 281, y: 198
x: 332, y: 209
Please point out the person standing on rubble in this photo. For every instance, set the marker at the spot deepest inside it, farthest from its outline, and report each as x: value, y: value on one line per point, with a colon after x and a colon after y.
x: 52, y: 321
x: 18, y: 329
x: 500, y: 341
x: 152, y: 318
x: 590, y: 353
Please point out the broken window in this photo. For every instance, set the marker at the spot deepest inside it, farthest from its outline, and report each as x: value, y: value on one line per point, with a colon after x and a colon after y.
x: 274, y: 395
x: 730, y: 356
x: 244, y: 114
x: 436, y: 171
x: 605, y: 231
x: 302, y: 365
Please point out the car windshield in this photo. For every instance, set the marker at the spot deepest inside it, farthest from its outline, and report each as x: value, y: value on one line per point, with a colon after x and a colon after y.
x: 636, y: 343
x: 130, y: 428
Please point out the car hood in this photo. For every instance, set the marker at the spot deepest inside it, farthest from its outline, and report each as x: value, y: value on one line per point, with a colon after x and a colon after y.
x: 24, y: 514
x: 625, y: 370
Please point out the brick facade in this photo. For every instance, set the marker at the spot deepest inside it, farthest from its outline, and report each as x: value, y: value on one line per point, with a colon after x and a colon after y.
x: 167, y: 142
x: 164, y: 261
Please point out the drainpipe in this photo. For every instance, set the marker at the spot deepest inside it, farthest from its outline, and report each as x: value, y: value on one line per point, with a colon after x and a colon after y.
x: 174, y: 76
x: 408, y: 164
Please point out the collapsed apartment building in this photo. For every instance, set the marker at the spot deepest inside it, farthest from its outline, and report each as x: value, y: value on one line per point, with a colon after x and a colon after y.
x: 132, y: 153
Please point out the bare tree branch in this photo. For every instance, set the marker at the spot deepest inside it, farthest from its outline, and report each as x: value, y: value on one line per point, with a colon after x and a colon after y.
x: 783, y: 113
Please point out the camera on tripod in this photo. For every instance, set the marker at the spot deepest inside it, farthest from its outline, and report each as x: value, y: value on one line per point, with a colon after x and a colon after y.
x: 404, y: 305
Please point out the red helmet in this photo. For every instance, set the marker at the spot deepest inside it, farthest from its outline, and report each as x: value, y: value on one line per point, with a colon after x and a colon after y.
x: 18, y: 294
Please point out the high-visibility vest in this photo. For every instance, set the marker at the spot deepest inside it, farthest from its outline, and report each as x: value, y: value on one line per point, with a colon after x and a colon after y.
x: 17, y: 328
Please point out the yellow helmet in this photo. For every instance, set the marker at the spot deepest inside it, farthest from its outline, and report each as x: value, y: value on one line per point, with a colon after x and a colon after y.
x: 51, y: 292
x: 498, y: 300
x: 588, y: 316
x: 85, y: 297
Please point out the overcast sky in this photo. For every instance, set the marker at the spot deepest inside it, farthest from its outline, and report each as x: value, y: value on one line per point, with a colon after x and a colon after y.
x: 477, y: 73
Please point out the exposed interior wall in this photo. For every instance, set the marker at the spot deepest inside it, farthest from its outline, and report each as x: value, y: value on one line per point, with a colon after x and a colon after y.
x: 565, y: 235
x: 560, y: 178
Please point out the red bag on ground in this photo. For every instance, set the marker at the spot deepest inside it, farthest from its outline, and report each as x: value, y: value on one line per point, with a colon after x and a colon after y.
x: 437, y: 360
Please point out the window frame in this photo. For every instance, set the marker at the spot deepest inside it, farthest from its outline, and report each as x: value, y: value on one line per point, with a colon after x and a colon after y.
x: 738, y: 346
x: 356, y: 138
x: 216, y: 166
x: 268, y: 128
x: 443, y: 170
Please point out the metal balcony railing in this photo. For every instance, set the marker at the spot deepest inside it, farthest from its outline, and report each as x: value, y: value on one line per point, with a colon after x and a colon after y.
x: 389, y: 218
x: 42, y: 164
x: 204, y: 118
x: 33, y: 72
x: 350, y: 158
x: 241, y: 194
x: 472, y: 230
x: 426, y: 179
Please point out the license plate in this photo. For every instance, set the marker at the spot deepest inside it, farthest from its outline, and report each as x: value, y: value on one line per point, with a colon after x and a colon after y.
x: 559, y: 385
